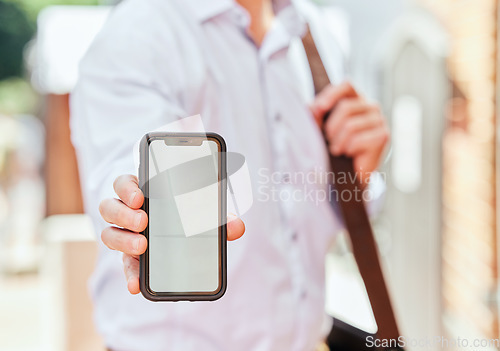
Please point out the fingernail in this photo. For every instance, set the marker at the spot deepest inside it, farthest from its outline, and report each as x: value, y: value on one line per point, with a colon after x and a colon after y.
x: 314, y: 110
x: 132, y: 197
x: 138, y: 218
x: 137, y: 244
x: 231, y: 217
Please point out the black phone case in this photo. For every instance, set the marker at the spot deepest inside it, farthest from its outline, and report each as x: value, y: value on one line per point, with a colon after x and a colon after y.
x: 144, y: 259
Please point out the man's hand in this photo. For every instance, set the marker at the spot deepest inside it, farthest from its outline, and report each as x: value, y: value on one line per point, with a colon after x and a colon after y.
x: 354, y: 128
x: 126, y: 214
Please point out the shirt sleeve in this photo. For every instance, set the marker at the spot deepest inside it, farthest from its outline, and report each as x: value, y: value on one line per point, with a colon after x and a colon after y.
x: 329, y: 26
x: 122, y: 93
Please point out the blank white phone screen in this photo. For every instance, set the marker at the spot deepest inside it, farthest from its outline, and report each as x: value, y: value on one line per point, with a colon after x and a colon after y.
x: 184, y: 217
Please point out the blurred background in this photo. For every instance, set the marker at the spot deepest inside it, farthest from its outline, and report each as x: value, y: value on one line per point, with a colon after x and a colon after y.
x: 431, y: 64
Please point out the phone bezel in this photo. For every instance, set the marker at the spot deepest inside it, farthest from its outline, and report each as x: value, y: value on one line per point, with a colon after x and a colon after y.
x: 146, y: 291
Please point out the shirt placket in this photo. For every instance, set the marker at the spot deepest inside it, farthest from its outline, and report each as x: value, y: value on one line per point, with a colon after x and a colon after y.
x: 283, y: 164
x: 277, y: 39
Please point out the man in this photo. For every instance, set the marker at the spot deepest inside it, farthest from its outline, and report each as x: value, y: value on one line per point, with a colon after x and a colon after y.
x: 241, y: 66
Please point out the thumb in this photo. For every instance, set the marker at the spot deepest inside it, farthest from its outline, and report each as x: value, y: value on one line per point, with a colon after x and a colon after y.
x: 235, y: 227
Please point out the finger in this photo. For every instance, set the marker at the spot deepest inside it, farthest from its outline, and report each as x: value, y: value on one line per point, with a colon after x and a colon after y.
x: 116, y: 212
x: 329, y: 97
x: 235, y: 227
x: 125, y: 241
x: 127, y: 189
x: 131, y: 268
x: 371, y: 140
x: 345, y: 109
x: 351, y: 128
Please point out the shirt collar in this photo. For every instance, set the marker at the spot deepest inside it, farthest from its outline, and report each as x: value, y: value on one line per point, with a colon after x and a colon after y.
x: 288, y: 22
x: 287, y: 25
x: 205, y: 10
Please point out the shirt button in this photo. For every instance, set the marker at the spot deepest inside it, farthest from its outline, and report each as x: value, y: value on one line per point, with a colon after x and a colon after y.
x: 286, y: 178
x: 303, y: 294
x: 277, y: 118
x: 294, y: 236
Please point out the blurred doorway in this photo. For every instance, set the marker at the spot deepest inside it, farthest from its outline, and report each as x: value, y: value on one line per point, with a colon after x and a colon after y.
x: 415, y: 91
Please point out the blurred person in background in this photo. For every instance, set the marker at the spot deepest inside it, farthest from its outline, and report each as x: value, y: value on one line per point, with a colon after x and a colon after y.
x: 241, y: 65
x: 21, y: 149
x: 21, y: 192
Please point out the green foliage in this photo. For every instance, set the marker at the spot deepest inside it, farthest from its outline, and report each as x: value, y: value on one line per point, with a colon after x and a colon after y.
x: 17, y: 97
x: 15, y: 32
x: 33, y: 7
x: 17, y: 27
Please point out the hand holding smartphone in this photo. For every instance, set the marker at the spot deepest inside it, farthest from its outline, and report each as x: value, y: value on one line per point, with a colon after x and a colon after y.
x: 183, y: 178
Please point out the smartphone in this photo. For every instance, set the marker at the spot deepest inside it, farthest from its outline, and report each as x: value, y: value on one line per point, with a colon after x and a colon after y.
x: 183, y: 178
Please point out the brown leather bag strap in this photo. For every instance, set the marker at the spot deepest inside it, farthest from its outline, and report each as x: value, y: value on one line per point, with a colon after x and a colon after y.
x: 355, y: 217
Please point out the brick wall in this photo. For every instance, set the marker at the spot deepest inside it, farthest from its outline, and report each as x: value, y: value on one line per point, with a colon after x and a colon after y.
x: 469, y: 236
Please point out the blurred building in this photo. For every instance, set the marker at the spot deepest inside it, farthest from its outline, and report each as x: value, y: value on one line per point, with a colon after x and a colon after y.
x: 439, y: 238
x: 470, y: 247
